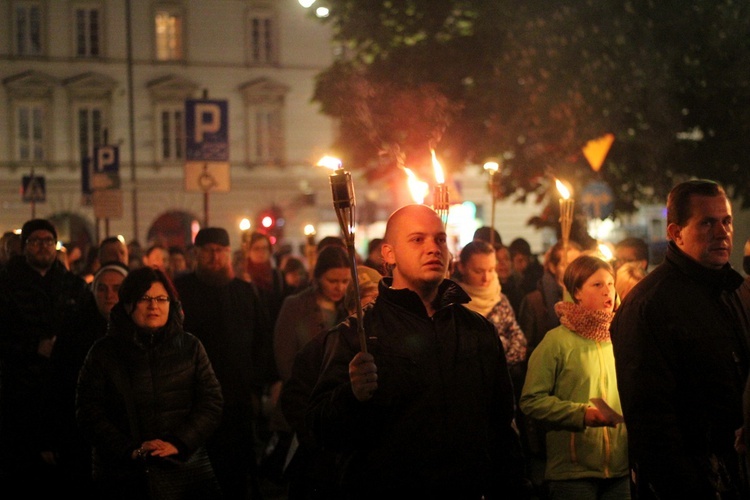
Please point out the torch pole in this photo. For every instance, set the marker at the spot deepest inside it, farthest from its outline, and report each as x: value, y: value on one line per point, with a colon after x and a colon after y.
x: 342, y: 190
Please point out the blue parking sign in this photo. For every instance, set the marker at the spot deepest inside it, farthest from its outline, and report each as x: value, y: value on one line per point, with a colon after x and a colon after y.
x: 206, y: 130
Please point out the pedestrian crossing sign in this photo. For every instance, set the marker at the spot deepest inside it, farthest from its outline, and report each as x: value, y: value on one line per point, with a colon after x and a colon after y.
x: 33, y: 189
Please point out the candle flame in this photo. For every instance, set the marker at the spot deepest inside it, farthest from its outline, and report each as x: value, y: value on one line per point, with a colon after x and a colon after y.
x: 329, y: 162
x: 309, y: 230
x: 439, y: 177
x: 564, y: 192
x: 417, y: 188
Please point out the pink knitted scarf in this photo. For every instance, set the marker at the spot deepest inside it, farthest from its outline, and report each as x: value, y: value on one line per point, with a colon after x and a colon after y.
x: 589, y: 324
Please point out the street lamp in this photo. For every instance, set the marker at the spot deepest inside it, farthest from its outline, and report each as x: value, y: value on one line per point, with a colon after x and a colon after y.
x: 491, y: 167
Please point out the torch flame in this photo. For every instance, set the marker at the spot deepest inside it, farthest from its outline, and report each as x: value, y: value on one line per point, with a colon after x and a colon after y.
x: 309, y: 230
x: 417, y: 188
x: 329, y: 162
x: 605, y: 251
x: 564, y: 192
x: 439, y: 177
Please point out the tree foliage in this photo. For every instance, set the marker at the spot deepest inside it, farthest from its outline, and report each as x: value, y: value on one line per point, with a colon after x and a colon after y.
x: 531, y: 82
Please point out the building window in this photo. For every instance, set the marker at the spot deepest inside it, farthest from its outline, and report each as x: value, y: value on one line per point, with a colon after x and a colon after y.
x: 88, y: 34
x: 30, y: 132
x: 28, y: 24
x: 90, y: 127
x: 266, y: 138
x: 171, y: 140
x: 261, y: 37
x: 264, y: 100
x: 169, y: 34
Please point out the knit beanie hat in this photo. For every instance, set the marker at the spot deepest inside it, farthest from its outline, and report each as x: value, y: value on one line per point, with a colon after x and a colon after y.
x: 216, y: 235
x: 35, y: 225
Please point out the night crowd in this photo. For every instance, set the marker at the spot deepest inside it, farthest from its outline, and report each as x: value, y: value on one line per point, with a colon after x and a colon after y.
x: 207, y: 372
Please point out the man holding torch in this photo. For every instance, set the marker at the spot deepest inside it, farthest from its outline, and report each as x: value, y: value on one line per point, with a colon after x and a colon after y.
x: 428, y: 409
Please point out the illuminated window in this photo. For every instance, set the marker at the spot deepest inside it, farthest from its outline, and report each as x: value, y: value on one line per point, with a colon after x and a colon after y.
x: 169, y: 35
x: 28, y: 24
x: 87, y: 31
x: 261, y: 37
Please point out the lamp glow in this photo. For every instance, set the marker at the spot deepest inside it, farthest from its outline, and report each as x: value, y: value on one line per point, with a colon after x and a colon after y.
x: 491, y: 167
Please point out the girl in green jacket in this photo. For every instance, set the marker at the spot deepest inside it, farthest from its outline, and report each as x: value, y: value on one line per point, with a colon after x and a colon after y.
x: 571, y: 388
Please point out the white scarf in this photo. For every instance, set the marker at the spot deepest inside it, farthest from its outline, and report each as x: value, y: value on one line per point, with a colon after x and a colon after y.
x: 483, y: 298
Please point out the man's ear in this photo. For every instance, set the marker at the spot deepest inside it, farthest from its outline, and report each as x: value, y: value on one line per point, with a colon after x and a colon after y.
x: 674, y: 232
x: 386, y: 251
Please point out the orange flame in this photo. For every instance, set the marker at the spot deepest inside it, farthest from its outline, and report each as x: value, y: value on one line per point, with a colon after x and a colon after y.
x: 329, y: 162
x: 417, y: 188
x: 439, y: 177
x: 564, y: 192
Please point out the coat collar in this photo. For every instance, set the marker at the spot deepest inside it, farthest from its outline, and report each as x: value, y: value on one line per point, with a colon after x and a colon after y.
x: 724, y: 279
x: 449, y: 293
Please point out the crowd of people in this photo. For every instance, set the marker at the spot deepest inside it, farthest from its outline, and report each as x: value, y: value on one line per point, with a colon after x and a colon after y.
x: 204, y: 372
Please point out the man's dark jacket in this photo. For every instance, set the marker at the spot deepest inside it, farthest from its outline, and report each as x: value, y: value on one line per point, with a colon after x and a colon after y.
x: 440, y: 422
x: 35, y: 307
x: 682, y: 357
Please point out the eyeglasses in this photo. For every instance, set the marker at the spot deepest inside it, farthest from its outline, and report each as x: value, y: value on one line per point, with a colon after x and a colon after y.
x: 161, y: 300
x: 38, y: 242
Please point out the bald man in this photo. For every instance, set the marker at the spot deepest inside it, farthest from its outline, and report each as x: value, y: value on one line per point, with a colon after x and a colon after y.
x: 428, y: 410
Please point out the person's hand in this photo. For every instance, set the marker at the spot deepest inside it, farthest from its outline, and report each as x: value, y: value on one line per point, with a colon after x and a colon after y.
x: 156, y: 448
x: 44, y: 348
x: 595, y: 418
x: 363, y: 375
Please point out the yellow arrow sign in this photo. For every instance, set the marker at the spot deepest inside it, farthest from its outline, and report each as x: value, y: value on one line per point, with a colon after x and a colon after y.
x: 596, y: 150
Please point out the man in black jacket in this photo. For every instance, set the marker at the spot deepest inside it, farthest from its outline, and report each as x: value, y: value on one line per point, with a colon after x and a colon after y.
x: 228, y: 316
x: 41, y: 306
x: 680, y: 344
x: 427, y: 411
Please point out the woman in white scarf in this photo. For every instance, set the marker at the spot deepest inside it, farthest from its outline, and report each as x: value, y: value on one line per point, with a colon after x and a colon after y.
x: 478, y: 277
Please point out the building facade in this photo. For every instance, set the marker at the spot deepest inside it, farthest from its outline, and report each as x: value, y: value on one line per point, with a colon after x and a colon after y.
x: 78, y: 75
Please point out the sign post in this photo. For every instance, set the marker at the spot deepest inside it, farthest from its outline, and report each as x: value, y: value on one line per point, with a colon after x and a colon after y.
x: 33, y: 191
x: 207, y: 147
x: 105, y: 184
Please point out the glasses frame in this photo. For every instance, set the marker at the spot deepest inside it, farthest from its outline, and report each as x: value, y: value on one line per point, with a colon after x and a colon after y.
x: 38, y: 242
x: 160, y: 300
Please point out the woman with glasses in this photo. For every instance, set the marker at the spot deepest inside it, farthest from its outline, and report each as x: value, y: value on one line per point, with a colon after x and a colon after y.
x: 148, y: 399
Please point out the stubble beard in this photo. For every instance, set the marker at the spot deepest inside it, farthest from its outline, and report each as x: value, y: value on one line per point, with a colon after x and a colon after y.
x: 44, y: 263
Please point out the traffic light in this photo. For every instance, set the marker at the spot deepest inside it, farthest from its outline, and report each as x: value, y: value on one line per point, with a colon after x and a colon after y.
x: 270, y: 221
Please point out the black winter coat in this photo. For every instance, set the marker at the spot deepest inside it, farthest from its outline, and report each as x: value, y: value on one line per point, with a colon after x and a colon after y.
x: 169, y: 381
x: 440, y: 422
x: 681, y: 355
